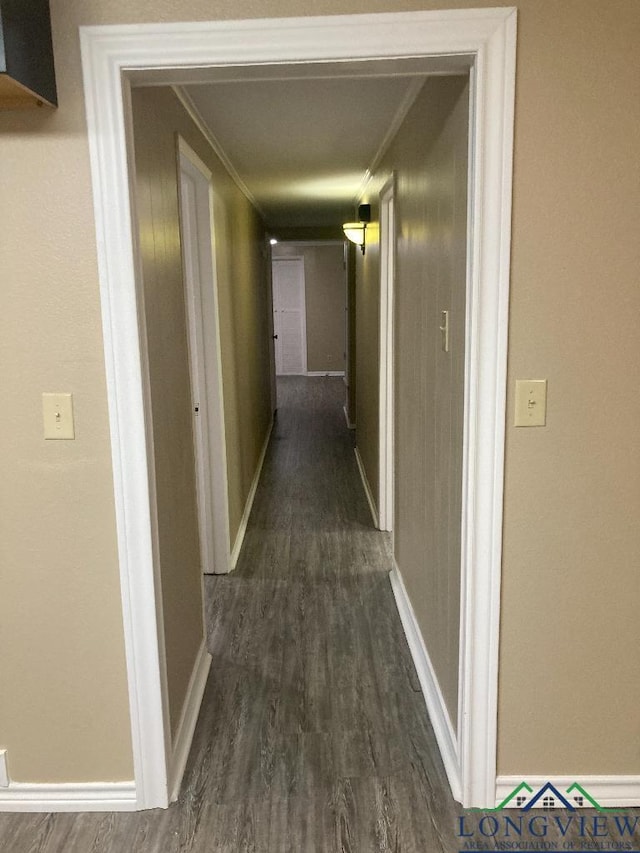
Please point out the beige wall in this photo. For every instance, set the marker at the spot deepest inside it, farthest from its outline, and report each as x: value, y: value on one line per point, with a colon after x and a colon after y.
x: 158, y: 117
x: 243, y: 299
x: 429, y: 158
x: 325, y: 300
x: 570, y: 640
x: 244, y: 306
x: 569, y: 685
x: 572, y: 493
x: 367, y: 322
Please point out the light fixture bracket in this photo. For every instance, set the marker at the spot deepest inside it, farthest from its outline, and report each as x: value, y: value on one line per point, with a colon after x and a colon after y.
x: 356, y: 231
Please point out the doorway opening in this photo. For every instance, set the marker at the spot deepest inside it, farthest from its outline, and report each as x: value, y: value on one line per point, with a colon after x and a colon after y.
x: 484, y: 40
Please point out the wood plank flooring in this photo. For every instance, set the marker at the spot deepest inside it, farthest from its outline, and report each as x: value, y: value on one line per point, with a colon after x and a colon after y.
x: 317, y: 731
x: 313, y: 735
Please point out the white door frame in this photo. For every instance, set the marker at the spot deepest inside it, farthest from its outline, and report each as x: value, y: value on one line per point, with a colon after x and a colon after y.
x: 303, y: 316
x: 386, y: 408
x: 273, y: 386
x: 486, y: 37
x: 205, y: 362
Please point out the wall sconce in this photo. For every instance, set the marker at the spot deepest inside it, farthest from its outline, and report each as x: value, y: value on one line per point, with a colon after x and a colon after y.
x: 356, y: 231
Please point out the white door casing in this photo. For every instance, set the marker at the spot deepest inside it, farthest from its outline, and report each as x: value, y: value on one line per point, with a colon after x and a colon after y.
x: 487, y: 39
x: 386, y: 409
x: 273, y: 385
x: 289, y: 316
x: 205, y: 360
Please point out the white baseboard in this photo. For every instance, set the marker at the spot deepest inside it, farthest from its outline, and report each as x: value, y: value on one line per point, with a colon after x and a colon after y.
x: 69, y: 797
x: 188, y: 720
x: 242, y: 529
x: 436, y: 707
x: 606, y: 791
x: 346, y: 417
x: 325, y: 372
x: 367, y: 488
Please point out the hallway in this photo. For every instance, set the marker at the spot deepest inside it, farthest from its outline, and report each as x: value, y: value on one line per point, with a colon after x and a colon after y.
x: 313, y: 735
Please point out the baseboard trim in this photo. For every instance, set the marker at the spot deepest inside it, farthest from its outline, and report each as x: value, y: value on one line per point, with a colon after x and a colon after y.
x: 242, y: 529
x: 346, y: 417
x: 188, y: 720
x: 367, y: 489
x: 440, y: 720
x: 69, y: 797
x: 606, y: 791
x: 325, y: 372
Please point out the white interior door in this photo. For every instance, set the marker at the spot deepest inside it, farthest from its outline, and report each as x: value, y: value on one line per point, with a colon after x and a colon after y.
x: 204, y: 361
x: 289, y: 316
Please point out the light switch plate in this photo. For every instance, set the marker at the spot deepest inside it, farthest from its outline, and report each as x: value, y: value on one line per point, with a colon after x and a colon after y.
x: 57, y: 412
x: 531, y: 402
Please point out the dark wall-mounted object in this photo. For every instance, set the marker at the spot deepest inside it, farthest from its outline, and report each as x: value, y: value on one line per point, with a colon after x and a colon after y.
x: 364, y: 213
x: 27, y: 77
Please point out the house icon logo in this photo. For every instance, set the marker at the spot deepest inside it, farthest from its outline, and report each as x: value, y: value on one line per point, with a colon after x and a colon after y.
x: 525, y: 820
x: 549, y: 797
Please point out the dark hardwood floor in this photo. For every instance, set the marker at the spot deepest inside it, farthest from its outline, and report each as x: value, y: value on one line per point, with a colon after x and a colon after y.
x: 313, y: 735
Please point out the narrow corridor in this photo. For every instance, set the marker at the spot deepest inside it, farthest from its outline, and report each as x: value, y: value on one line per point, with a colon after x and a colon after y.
x: 315, y: 735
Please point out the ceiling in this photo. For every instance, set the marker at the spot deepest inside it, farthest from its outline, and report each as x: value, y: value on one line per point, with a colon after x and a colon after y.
x: 302, y: 147
x: 300, y: 143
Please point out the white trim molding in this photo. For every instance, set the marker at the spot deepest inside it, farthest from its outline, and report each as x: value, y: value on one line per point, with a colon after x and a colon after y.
x: 188, y: 719
x: 487, y: 309
x: 386, y: 355
x: 367, y: 486
x: 244, y: 521
x: 305, y: 243
x: 194, y: 114
x: 443, y: 728
x: 325, y: 372
x: 69, y: 797
x: 4, y: 773
x: 346, y: 417
x: 483, y: 40
x: 608, y: 791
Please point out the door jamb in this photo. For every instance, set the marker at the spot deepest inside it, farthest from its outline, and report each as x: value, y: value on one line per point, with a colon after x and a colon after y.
x: 487, y: 38
x: 386, y: 360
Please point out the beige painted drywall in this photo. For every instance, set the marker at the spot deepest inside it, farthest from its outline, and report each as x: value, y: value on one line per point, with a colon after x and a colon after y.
x: 367, y: 323
x: 242, y: 293
x: 325, y: 301
x: 429, y: 159
x: 569, y: 685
